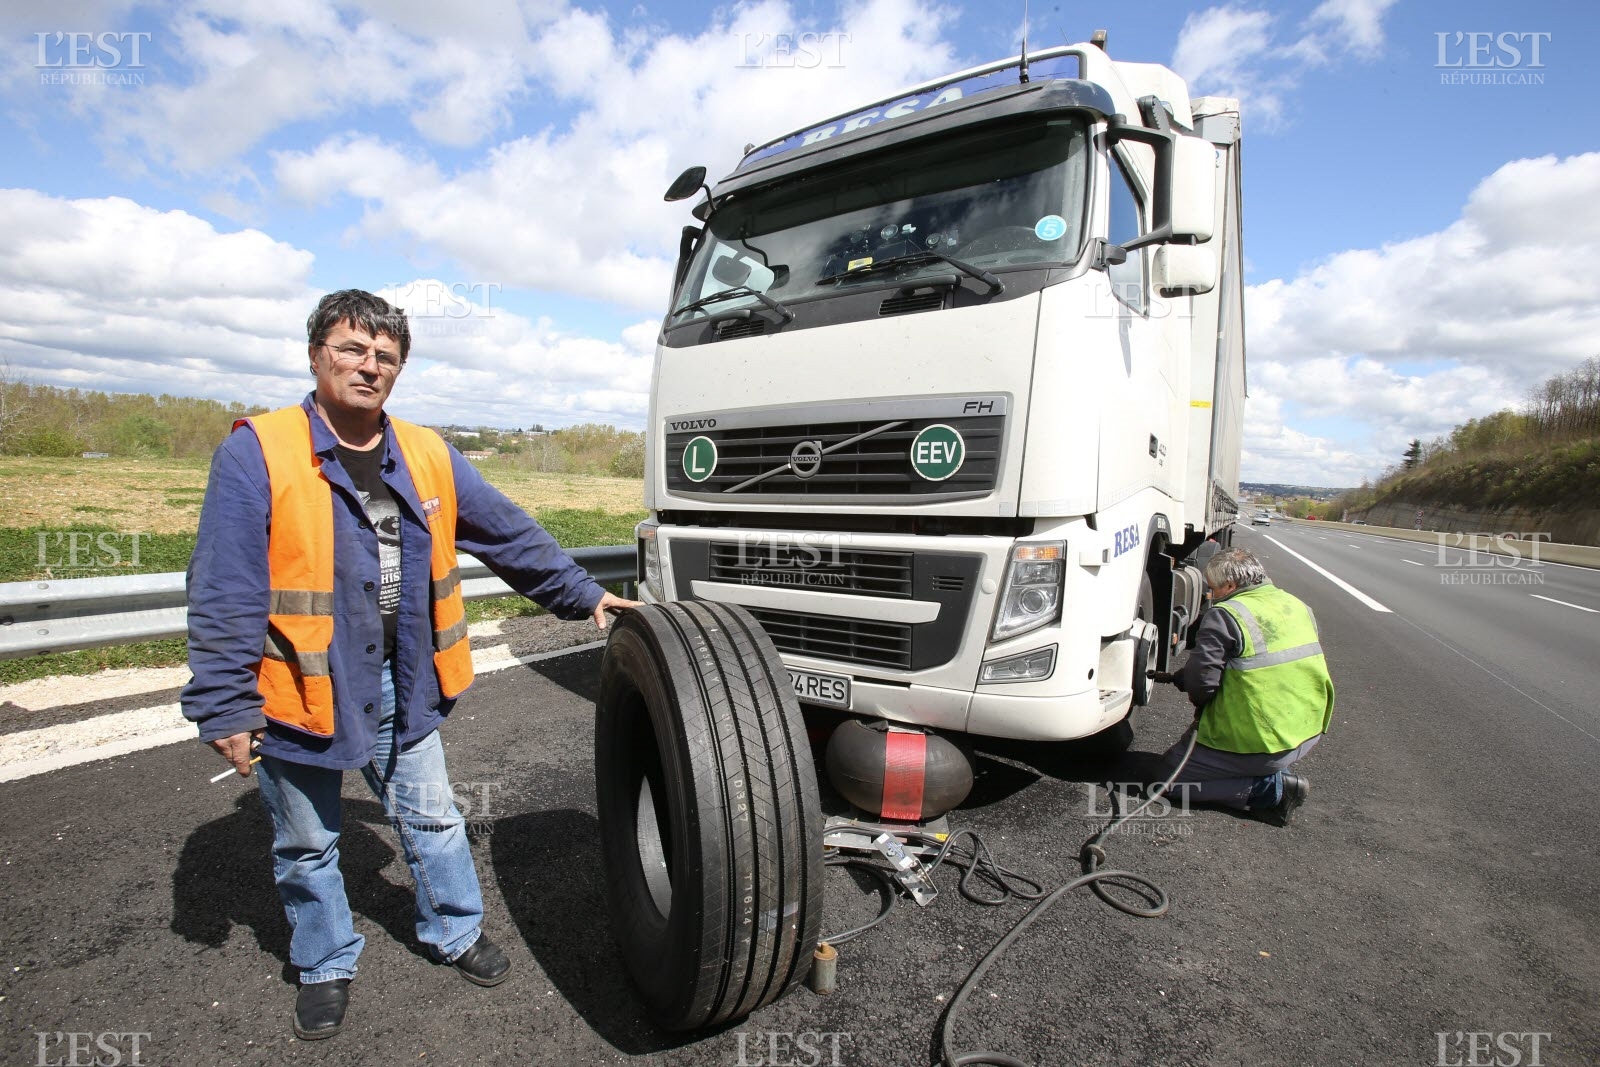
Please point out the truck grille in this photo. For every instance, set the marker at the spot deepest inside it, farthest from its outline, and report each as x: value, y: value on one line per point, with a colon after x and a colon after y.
x: 823, y: 567
x: 879, y: 465
x: 877, y: 644
x: 949, y: 579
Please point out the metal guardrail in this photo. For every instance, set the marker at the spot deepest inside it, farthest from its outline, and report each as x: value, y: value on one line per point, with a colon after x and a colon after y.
x: 69, y: 614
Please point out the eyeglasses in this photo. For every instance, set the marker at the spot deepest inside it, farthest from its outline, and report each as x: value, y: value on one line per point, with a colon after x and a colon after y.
x: 355, y: 355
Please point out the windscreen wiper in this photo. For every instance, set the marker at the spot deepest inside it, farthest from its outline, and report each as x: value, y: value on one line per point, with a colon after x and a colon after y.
x: 728, y: 294
x: 995, y: 284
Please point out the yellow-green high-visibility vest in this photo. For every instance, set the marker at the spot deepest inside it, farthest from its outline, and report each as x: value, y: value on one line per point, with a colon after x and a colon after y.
x: 1276, y: 694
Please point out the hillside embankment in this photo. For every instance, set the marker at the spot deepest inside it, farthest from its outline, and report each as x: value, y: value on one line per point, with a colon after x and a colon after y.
x: 1553, y: 489
x: 1579, y: 526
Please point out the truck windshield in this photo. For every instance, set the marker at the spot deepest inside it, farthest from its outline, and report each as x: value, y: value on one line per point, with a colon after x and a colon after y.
x: 1000, y: 197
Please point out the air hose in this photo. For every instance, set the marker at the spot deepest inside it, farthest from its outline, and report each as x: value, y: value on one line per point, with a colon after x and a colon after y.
x: 1090, y: 857
x: 975, y: 861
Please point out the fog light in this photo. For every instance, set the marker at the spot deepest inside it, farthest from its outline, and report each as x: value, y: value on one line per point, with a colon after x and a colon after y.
x: 1026, y: 667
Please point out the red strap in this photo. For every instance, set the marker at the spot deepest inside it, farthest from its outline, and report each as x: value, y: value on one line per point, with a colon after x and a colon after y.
x: 905, y: 762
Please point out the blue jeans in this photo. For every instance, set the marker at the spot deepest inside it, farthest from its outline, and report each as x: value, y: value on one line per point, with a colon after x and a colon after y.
x: 306, y: 817
x: 1242, y: 782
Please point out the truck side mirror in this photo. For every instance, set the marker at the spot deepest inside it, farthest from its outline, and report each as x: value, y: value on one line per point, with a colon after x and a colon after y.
x: 1183, y: 270
x: 686, y: 184
x: 1183, y: 201
x: 1193, y: 177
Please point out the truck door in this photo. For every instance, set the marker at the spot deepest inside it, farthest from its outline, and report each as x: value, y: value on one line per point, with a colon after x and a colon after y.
x: 1138, y: 379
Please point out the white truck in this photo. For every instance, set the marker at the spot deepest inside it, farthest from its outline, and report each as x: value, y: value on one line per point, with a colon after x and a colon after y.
x: 950, y: 390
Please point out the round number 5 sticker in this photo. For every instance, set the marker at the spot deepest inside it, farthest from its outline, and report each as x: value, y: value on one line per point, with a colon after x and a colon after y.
x: 1050, y: 228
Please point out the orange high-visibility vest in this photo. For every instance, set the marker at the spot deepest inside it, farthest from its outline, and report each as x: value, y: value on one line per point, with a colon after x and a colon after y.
x: 296, y: 688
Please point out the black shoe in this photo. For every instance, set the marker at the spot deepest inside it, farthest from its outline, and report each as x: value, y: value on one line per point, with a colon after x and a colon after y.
x: 1296, y: 788
x: 483, y: 964
x: 319, y: 1009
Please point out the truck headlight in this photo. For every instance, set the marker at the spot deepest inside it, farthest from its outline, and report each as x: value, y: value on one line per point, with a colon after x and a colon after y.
x: 649, y: 568
x: 1031, y: 595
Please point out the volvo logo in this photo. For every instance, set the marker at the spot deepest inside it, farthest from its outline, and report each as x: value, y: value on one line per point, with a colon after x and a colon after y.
x: 806, y: 459
x: 692, y: 424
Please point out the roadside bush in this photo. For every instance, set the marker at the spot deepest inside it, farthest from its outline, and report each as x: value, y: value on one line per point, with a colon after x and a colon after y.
x: 629, y: 460
x: 45, y: 441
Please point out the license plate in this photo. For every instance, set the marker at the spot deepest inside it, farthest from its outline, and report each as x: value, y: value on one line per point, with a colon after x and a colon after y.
x: 814, y: 687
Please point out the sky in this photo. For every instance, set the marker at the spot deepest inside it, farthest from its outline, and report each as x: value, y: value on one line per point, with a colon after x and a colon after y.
x: 182, y: 181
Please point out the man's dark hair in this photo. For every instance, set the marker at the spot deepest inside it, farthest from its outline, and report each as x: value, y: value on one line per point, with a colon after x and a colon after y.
x: 362, y: 311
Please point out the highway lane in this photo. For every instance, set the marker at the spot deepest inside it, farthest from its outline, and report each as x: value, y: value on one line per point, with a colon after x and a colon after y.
x: 1488, y: 610
x: 1442, y: 879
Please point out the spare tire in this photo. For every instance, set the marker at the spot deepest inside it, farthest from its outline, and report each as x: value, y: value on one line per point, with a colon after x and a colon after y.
x: 710, y: 824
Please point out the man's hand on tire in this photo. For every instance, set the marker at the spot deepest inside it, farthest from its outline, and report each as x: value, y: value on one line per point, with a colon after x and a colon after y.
x: 1167, y: 677
x: 612, y: 602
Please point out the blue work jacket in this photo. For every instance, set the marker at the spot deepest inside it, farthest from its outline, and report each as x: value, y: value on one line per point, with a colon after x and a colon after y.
x: 228, y: 584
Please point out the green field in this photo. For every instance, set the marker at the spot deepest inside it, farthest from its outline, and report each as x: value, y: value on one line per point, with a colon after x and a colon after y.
x: 55, y: 506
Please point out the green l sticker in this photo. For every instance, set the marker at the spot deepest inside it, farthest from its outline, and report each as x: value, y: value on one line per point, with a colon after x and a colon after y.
x: 938, y: 452
x: 700, y: 459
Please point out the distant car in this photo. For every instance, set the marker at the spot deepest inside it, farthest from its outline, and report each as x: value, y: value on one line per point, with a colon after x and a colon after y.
x: 1262, y: 519
x: 1360, y: 522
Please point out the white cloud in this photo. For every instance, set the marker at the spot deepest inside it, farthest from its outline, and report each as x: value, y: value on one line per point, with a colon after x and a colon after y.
x: 578, y: 210
x: 1238, y: 51
x: 112, y: 295
x: 1477, y: 312
x: 1509, y: 286
x: 225, y: 74
x: 1275, y: 452
x: 1351, y: 24
x: 482, y: 363
x: 1218, y: 44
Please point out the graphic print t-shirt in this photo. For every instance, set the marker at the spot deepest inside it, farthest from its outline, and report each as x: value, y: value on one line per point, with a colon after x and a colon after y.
x: 365, y: 470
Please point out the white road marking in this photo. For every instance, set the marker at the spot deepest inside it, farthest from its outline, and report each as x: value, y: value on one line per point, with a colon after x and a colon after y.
x: 1413, y: 562
x: 503, y: 659
x: 1334, y: 578
x: 42, y: 694
x: 1563, y: 603
x: 51, y: 748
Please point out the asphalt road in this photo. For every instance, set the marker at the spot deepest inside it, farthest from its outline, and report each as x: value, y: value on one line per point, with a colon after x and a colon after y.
x: 1441, y: 880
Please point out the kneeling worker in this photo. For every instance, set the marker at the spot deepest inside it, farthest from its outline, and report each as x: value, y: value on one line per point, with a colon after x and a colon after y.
x: 1260, y: 682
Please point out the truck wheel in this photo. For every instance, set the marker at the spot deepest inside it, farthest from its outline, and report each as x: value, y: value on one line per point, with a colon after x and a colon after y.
x: 1144, y: 652
x: 710, y: 824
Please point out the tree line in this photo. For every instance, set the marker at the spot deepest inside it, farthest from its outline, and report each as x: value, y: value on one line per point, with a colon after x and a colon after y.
x: 1541, y: 454
x: 43, y: 420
